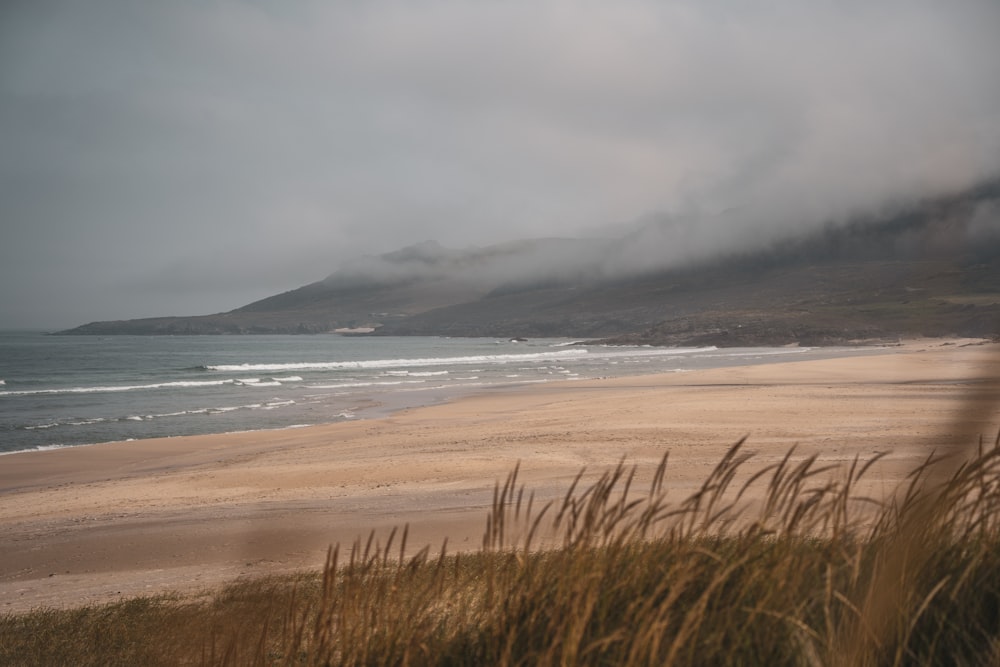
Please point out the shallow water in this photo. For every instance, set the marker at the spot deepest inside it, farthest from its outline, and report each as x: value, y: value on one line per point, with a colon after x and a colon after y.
x: 60, y: 391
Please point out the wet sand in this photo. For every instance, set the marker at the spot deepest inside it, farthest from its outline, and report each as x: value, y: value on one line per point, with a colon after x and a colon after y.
x: 91, y: 524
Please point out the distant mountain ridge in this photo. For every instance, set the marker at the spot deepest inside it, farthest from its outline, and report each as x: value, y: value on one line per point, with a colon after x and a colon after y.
x: 933, y: 269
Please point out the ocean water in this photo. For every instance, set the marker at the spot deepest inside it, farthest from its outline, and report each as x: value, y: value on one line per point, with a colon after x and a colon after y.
x: 58, y: 391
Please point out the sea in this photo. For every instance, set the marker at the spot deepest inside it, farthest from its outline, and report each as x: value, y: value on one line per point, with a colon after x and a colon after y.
x: 64, y: 391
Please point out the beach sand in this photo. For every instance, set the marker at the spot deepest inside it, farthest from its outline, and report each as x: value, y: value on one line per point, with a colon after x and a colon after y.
x: 91, y: 524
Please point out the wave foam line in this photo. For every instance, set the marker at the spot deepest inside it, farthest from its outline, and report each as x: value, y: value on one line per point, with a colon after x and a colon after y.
x: 258, y: 383
x: 615, y: 351
x: 38, y: 448
x: 354, y: 385
x: 394, y: 363
x: 415, y: 374
x: 113, y: 388
x: 769, y: 352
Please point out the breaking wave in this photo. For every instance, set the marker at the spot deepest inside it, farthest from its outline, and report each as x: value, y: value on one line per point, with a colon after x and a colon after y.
x: 396, y: 363
x: 118, y: 388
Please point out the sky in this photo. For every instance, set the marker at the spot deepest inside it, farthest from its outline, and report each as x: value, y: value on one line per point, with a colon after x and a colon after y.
x: 188, y: 157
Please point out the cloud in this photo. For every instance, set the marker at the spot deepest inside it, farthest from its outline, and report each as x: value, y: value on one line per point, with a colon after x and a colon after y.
x: 198, y: 150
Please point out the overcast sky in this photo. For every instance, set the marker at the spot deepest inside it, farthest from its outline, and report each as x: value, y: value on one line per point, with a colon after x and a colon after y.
x: 163, y: 158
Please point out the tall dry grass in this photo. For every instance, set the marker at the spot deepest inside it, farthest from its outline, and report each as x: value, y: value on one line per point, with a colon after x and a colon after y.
x: 785, y: 564
x: 793, y: 579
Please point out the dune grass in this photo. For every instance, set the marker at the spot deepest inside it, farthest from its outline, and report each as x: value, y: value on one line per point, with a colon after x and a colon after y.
x: 808, y: 573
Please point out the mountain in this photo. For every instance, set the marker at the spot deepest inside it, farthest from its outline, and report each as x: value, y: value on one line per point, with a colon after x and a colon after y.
x: 932, y: 269
x: 373, y: 292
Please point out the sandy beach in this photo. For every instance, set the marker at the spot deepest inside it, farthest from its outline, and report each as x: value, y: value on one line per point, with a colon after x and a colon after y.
x: 96, y: 523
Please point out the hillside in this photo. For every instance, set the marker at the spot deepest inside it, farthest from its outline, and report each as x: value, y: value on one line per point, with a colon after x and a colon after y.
x: 932, y: 270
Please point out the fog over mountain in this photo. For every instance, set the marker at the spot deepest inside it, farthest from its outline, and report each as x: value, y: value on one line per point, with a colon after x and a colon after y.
x: 932, y: 269
x: 961, y: 223
x: 185, y: 158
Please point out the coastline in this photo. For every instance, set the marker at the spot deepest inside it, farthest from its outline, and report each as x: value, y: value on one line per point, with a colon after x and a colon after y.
x: 152, y: 388
x: 89, y: 524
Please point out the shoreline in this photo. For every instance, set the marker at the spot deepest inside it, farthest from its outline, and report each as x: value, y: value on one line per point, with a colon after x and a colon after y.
x: 95, y: 523
x: 380, y: 403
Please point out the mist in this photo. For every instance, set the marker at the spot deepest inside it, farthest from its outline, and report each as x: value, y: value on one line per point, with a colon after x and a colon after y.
x: 180, y: 159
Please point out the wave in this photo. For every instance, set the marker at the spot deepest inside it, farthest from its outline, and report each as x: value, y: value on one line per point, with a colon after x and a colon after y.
x: 395, y: 363
x: 415, y: 374
x: 767, y: 352
x: 354, y: 385
x: 257, y: 382
x: 273, y: 405
x: 215, y: 410
x: 118, y: 388
x: 42, y: 427
x: 37, y: 448
x: 611, y: 351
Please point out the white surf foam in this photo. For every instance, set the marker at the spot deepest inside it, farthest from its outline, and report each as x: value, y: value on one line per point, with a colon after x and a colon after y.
x: 118, y: 388
x: 37, y: 448
x: 772, y: 352
x: 415, y: 374
x: 357, y: 385
x: 396, y: 363
x: 42, y: 427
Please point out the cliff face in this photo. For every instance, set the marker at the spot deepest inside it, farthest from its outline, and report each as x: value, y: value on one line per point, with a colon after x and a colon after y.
x: 934, y: 270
